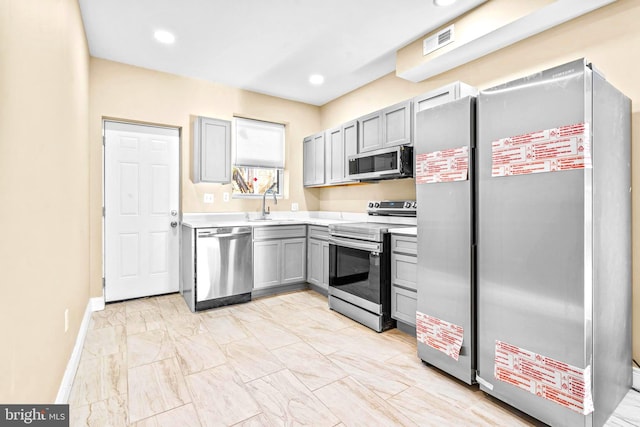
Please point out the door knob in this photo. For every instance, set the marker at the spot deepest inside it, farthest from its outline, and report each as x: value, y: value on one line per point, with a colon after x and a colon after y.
x: 174, y: 224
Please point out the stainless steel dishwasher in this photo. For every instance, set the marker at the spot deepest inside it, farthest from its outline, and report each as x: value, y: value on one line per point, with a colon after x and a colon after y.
x: 216, y: 266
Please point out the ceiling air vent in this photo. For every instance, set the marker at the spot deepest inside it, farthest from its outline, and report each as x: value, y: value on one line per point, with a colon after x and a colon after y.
x: 436, y: 41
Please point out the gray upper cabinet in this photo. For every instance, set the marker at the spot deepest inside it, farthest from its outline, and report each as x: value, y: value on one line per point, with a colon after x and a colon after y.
x: 442, y: 95
x: 308, y: 162
x: 342, y: 142
x: 314, y: 160
x: 211, y: 150
x: 370, y: 132
x: 388, y: 127
x: 396, y: 124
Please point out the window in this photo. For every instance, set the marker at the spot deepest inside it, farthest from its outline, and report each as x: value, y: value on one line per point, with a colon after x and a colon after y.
x: 249, y: 181
x: 259, y: 157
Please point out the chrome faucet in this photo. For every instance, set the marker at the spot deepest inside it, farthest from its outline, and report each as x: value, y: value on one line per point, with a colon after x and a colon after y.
x: 264, y: 201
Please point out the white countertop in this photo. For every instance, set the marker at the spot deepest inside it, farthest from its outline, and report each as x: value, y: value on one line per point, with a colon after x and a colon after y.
x: 204, y: 220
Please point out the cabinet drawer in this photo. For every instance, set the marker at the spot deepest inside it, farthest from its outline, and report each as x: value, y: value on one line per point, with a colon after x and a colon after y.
x: 404, y: 270
x: 403, y: 305
x: 279, y: 232
x: 319, y: 232
x: 404, y: 244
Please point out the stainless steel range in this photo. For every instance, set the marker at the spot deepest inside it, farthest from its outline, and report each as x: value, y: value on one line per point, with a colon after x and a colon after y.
x: 360, y: 265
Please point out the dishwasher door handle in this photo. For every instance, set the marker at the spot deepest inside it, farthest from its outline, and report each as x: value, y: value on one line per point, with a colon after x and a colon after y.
x: 223, y: 235
x: 224, y: 232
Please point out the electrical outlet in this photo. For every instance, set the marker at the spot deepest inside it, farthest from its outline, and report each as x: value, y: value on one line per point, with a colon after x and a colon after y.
x: 208, y: 198
x: 225, y: 196
x: 294, y: 206
x: 66, y: 320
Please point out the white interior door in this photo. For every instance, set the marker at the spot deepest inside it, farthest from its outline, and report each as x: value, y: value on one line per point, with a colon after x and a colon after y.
x: 141, y: 234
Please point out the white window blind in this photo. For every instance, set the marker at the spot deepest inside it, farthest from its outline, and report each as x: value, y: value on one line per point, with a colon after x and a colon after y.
x: 259, y: 144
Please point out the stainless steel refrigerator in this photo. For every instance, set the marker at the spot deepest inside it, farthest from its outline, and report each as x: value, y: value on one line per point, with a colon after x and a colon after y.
x: 444, y: 150
x: 554, y: 245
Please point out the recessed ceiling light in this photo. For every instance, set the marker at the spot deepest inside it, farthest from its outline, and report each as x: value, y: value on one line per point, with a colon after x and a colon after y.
x: 316, y: 79
x: 164, y: 36
x: 443, y: 2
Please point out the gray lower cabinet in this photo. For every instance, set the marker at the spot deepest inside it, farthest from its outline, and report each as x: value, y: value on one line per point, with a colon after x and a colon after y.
x: 293, y: 260
x: 279, y: 256
x: 266, y: 263
x: 403, y: 278
x: 318, y: 257
x: 211, y: 150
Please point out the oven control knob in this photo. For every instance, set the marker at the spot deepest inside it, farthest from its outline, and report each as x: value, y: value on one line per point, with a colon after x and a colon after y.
x: 407, y: 205
x: 377, y: 205
x: 370, y: 205
x: 415, y: 205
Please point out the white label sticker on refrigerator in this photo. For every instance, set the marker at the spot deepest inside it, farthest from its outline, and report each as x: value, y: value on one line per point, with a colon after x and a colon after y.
x: 545, y: 377
x: 442, y: 166
x: 550, y: 150
x: 439, y: 334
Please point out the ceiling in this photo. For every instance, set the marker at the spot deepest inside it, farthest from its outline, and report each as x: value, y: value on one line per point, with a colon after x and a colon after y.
x: 266, y: 46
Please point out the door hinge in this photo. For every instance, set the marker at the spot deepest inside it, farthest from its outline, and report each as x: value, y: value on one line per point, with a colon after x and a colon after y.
x: 104, y: 284
x: 103, y: 211
x: 103, y: 140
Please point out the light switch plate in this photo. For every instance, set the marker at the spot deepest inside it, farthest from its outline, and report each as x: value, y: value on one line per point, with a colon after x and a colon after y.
x: 225, y: 196
x: 294, y: 206
x: 208, y: 198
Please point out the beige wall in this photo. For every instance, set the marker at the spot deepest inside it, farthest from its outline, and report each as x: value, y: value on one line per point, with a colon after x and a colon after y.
x: 136, y: 94
x: 44, y: 72
x: 609, y: 37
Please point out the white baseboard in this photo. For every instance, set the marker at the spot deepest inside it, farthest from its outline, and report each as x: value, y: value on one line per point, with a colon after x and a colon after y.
x: 636, y: 378
x: 94, y: 304
x: 97, y: 303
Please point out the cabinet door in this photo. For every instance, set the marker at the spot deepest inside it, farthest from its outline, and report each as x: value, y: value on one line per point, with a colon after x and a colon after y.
x: 335, y: 155
x: 211, y: 150
x: 350, y: 144
x: 318, y: 149
x: 308, y: 161
x: 370, y: 132
x: 325, y: 265
x: 314, y: 261
x: 293, y: 261
x: 267, y: 258
x: 403, y: 305
x: 435, y: 97
x: 404, y: 270
x: 396, y: 124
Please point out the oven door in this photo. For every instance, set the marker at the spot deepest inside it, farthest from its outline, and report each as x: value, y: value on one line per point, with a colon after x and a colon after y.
x: 356, y: 272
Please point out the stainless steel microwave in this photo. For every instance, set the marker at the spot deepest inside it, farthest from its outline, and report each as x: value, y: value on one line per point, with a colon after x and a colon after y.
x: 388, y: 163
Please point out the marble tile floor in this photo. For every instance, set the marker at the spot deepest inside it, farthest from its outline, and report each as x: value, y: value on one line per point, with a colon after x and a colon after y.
x: 280, y: 360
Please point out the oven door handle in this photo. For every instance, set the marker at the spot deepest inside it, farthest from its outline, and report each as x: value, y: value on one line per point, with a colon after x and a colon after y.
x: 356, y: 244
